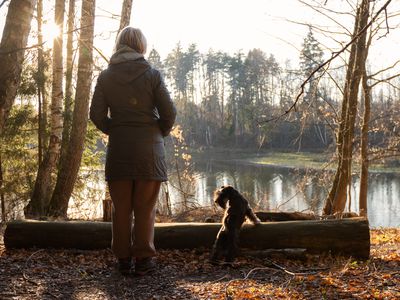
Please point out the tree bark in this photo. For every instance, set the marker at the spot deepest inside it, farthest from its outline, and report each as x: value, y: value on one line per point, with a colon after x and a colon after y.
x: 12, y: 49
x: 41, y: 90
x: 68, y: 171
x: 2, y: 198
x: 328, y: 208
x: 43, y: 186
x: 338, y: 196
x: 348, y: 236
x: 68, y: 102
x: 364, y: 147
x: 345, y: 178
x: 125, y: 14
x: 13, y: 42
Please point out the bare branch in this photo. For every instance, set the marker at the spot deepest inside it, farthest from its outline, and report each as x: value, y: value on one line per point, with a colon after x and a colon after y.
x: 325, y: 15
x: 21, y: 49
x: 335, y: 11
x: 383, y: 70
x: 113, y: 15
x: 351, y: 5
x: 387, y: 26
x: 101, y: 54
x: 385, y: 80
x: 318, y: 28
x: 2, y: 3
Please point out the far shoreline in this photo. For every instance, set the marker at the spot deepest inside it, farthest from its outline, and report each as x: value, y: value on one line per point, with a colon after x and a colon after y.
x: 281, y: 159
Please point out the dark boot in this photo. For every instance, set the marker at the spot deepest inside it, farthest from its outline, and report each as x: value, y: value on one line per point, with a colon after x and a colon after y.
x: 125, y: 266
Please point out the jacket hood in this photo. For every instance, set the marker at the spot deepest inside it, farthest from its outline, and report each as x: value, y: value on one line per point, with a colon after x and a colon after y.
x: 126, y: 65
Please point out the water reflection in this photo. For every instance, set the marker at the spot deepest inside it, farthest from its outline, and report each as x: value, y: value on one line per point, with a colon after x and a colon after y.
x: 267, y: 188
x: 285, y: 189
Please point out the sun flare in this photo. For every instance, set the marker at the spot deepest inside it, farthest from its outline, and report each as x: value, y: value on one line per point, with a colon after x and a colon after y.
x: 50, y: 31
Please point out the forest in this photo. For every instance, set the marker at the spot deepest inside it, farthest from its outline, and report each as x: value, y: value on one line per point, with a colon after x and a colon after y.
x: 327, y: 121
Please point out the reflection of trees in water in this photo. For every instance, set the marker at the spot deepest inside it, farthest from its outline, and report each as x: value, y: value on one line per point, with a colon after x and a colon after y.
x: 311, y: 187
x: 383, y: 199
x: 266, y: 188
x: 272, y: 188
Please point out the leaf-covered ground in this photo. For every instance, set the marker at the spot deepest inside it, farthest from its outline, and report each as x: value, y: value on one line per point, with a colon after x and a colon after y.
x: 69, y: 274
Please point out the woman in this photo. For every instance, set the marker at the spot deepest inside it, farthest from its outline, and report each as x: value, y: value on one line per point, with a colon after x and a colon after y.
x: 132, y: 105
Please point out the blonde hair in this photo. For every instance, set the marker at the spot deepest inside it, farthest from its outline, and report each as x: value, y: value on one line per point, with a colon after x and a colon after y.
x: 132, y: 37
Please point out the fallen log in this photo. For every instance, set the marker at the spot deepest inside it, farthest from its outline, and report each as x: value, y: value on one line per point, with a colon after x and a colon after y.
x: 267, y: 216
x: 345, y: 236
x: 277, y: 216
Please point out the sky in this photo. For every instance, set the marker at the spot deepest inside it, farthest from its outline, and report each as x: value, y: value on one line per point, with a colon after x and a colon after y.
x: 233, y: 25
x: 228, y: 25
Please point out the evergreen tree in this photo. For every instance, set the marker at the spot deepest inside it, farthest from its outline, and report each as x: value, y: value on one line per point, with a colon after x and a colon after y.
x: 154, y: 59
x: 311, y: 55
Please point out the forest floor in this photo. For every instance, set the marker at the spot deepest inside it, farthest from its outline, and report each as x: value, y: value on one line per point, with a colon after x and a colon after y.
x: 76, y: 274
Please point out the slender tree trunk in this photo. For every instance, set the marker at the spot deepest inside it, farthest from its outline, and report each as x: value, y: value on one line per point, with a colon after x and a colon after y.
x: 343, y: 177
x: 42, y: 120
x: 362, y: 202
x: 2, y: 198
x: 125, y: 14
x: 68, y: 102
x: 222, y: 102
x: 68, y: 171
x: 364, y: 146
x: 43, y: 186
x: 328, y: 208
x: 13, y: 41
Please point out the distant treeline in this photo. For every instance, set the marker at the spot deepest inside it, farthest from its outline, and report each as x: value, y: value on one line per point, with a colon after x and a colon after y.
x: 243, y: 100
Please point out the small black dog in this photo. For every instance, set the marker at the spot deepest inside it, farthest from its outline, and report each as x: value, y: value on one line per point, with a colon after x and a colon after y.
x: 236, y: 210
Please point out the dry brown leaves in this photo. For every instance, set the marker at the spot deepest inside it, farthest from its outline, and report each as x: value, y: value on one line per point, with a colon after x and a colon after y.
x: 72, y: 274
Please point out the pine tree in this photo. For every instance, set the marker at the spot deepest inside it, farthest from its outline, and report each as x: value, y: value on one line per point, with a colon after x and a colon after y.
x: 311, y: 55
x: 154, y: 59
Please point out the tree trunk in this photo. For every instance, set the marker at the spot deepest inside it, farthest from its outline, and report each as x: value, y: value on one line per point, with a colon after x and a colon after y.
x: 43, y: 186
x: 345, y: 178
x: 41, y: 90
x: 125, y: 14
x: 347, y: 236
x: 68, y: 102
x: 364, y: 146
x: 2, y: 198
x: 338, y: 195
x: 68, y: 171
x: 12, y: 50
x: 328, y: 208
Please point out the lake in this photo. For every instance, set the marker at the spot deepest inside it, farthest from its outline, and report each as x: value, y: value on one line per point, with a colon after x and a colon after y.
x: 286, y: 189
x: 268, y: 188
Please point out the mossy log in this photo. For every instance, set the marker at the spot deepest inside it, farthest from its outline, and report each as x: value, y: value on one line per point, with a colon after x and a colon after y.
x: 346, y: 236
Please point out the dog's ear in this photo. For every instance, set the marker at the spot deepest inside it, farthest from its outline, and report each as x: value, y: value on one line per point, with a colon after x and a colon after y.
x: 221, y: 201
